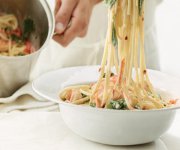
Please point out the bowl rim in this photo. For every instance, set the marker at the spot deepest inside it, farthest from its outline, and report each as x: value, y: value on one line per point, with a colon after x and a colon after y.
x: 61, y: 102
x: 51, y: 27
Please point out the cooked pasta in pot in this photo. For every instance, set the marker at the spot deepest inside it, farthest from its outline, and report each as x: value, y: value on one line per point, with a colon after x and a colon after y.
x: 13, y: 40
x: 120, y: 90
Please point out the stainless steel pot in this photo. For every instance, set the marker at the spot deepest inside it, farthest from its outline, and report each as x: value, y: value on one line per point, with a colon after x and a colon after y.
x: 14, y: 71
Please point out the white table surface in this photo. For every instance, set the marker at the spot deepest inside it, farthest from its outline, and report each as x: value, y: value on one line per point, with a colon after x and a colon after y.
x: 47, y: 131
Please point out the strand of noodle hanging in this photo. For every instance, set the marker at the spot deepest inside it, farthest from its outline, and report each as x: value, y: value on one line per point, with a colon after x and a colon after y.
x: 127, y: 46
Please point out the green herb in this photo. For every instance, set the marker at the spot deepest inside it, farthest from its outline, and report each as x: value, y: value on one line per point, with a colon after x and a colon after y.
x: 21, y: 54
x: 110, y: 2
x: 117, y: 104
x: 140, y: 6
x: 16, y: 38
x: 28, y: 28
x: 109, y: 106
x: 114, y: 36
x: 92, y: 104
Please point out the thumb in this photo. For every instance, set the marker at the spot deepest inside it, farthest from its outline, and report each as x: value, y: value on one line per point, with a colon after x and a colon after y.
x: 64, y: 14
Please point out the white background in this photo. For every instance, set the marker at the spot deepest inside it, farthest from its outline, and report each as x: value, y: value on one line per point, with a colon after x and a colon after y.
x: 168, y: 29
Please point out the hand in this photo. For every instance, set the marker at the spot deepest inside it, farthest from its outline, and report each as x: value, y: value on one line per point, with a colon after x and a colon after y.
x: 72, y: 19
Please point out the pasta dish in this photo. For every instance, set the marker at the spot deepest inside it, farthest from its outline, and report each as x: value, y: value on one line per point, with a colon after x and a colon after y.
x: 13, y: 40
x: 124, y: 51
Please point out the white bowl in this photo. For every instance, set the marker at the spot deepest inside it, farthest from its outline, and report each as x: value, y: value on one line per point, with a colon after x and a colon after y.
x: 113, y: 127
x: 117, y: 127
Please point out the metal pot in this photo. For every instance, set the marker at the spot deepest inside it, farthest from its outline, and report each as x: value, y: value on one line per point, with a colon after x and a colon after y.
x: 14, y: 71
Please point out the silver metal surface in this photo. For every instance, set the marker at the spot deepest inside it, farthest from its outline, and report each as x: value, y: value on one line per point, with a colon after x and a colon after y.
x: 15, y: 71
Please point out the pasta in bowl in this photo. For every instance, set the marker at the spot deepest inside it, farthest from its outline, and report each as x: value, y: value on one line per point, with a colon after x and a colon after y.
x: 82, y: 94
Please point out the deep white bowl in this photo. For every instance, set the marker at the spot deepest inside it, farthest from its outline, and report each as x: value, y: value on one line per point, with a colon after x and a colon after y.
x: 113, y: 127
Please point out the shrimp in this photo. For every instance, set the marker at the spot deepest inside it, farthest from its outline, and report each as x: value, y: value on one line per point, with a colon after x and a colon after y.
x: 66, y: 95
x: 114, y: 94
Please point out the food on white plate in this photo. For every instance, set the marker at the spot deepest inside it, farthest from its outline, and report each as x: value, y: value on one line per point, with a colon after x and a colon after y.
x: 124, y: 51
x: 14, y: 41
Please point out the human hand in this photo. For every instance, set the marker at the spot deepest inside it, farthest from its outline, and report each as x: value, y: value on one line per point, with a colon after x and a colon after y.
x: 72, y: 19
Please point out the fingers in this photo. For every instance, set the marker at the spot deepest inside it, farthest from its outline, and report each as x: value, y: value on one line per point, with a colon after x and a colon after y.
x: 79, y: 24
x: 97, y: 1
x: 64, y: 14
x: 57, y: 6
x: 69, y: 34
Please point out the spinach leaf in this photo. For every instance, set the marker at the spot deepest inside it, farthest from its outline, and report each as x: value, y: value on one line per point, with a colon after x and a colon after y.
x: 140, y: 6
x: 92, y: 104
x: 114, y: 36
x: 16, y: 38
x: 117, y: 104
x: 28, y: 28
x: 110, y: 2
